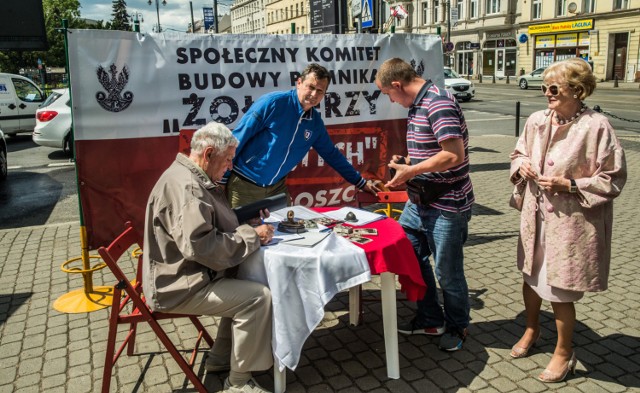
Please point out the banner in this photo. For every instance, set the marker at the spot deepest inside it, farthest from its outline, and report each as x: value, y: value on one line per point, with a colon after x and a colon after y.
x: 135, y: 96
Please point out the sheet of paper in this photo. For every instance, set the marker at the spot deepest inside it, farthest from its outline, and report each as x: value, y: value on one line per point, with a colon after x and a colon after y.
x: 309, y: 239
x: 283, y: 237
x: 300, y: 212
x: 363, y: 217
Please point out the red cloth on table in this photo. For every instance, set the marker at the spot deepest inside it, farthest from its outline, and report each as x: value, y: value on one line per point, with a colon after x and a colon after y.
x: 391, y: 251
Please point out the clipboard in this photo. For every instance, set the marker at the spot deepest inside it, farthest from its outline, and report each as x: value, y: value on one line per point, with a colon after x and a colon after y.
x: 252, y: 210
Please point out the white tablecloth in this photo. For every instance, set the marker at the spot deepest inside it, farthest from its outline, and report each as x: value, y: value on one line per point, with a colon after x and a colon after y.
x: 302, y: 281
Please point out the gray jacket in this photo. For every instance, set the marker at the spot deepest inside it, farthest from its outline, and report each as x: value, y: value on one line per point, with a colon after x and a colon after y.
x: 191, y: 235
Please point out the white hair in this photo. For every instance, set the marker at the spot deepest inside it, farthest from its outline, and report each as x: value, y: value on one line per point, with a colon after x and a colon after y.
x: 215, y: 135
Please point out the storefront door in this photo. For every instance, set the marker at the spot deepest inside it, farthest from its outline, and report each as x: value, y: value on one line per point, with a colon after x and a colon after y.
x: 500, y: 63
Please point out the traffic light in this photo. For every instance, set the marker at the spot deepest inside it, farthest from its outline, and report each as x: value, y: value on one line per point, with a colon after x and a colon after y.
x: 438, y: 30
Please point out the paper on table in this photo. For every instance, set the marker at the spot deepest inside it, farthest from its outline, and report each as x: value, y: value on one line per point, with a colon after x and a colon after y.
x: 309, y: 239
x: 300, y: 212
x: 283, y: 237
x: 363, y: 217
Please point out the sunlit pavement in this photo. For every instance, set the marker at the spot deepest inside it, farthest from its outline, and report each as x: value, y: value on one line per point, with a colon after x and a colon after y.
x: 43, y: 350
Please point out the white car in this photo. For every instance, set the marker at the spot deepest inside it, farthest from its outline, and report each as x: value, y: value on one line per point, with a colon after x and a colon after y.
x: 19, y: 100
x: 461, y: 88
x: 53, y: 122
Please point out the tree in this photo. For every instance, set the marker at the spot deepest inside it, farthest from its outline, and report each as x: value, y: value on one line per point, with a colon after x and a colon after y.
x: 120, y: 16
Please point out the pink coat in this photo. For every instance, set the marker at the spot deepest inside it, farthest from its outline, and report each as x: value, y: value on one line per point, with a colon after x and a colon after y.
x: 578, y: 226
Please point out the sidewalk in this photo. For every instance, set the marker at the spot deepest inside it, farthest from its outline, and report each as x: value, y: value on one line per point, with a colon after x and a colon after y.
x: 42, y: 350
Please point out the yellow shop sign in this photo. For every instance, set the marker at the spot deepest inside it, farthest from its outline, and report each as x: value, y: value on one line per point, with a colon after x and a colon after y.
x: 570, y: 25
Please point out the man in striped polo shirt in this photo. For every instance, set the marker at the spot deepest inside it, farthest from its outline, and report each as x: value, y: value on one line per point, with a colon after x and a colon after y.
x: 437, y: 225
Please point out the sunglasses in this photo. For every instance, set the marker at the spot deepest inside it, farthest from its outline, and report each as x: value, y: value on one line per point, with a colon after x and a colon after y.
x: 553, y: 89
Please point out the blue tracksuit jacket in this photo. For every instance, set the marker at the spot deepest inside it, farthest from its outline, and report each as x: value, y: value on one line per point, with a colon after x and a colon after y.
x: 275, y: 134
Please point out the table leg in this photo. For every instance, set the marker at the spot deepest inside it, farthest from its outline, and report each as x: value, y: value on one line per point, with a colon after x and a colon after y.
x: 279, y: 379
x: 354, y: 305
x: 390, y: 324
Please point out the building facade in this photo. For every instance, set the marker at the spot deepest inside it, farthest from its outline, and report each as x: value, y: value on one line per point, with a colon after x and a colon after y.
x: 489, y: 37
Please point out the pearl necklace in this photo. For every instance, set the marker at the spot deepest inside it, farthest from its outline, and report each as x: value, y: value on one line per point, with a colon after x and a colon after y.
x: 566, y: 121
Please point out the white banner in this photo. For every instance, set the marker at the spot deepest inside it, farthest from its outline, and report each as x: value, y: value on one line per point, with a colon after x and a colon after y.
x: 131, y: 85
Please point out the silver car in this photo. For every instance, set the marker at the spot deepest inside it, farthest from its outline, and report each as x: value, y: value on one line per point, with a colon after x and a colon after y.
x: 53, y: 122
x: 532, y: 79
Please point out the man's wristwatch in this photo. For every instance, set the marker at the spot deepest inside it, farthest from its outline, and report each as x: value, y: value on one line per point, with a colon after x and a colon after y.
x: 573, y: 188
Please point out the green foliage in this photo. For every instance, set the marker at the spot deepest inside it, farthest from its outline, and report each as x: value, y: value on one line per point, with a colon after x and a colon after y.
x: 120, y: 16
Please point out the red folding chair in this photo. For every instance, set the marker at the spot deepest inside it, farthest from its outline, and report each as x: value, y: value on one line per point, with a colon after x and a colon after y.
x: 133, y: 310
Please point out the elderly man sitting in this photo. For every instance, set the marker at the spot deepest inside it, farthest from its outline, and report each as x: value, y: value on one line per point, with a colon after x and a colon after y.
x: 191, y: 237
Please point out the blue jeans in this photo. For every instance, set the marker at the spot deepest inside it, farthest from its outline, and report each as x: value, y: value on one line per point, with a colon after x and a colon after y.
x: 441, y: 234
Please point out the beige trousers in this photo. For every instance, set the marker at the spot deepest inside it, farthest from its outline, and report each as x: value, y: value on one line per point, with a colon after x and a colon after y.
x: 247, y: 305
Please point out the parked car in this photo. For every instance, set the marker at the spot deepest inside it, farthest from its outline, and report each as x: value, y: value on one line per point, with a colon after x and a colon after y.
x: 53, y: 121
x: 532, y: 79
x: 19, y: 100
x: 461, y: 88
x: 3, y: 157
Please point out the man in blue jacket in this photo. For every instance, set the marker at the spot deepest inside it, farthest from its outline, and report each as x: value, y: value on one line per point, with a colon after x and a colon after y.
x: 275, y: 135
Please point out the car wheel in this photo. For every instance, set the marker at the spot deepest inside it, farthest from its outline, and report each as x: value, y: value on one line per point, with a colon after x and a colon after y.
x: 3, y: 165
x: 523, y: 84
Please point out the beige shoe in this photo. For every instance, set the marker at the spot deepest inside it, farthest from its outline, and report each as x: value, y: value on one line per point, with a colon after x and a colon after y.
x: 549, y: 376
x: 250, y: 387
x: 521, y: 352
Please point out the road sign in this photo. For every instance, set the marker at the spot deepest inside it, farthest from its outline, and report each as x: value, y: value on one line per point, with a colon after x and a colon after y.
x: 367, y: 13
x: 449, y: 46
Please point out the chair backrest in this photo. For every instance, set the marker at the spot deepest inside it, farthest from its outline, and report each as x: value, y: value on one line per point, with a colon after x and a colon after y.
x: 112, y: 253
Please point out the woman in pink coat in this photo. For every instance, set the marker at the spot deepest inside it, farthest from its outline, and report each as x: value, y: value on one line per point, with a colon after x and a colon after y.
x: 569, y: 166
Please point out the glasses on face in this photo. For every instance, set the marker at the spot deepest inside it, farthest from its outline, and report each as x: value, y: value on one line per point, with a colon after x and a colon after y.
x: 553, y: 89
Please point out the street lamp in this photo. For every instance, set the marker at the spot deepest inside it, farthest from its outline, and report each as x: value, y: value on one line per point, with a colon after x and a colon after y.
x: 164, y: 2
x: 136, y: 18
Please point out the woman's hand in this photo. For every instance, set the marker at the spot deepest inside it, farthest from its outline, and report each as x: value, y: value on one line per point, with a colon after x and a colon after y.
x: 527, y: 172
x: 554, y: 184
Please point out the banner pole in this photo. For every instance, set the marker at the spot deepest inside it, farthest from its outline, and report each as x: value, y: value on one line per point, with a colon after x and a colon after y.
x: 89, y: 298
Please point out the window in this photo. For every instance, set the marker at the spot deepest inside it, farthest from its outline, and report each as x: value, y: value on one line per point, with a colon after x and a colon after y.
x: 435, y: 16
x: 460, y: 7
x: 297, y: 11
x: 561, y: 7
x: 492, y: 7
x: 425, y: 13
x: 620, y: 4
x: 473, y: 9
x: 589, y: 6
x: 536, y: 9
x: 26, y: 91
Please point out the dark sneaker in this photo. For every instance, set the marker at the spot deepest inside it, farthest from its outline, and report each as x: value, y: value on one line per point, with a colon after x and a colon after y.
x: 410, y: 327
x: 452, y: 340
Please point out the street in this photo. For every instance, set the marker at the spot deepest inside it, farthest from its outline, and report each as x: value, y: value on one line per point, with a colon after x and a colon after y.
x: 41, y: 186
